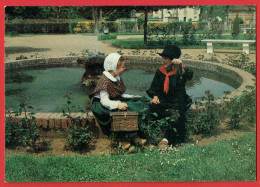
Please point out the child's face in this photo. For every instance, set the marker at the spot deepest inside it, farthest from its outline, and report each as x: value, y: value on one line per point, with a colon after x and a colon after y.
x: 166, y: 61
x: 121, y: 69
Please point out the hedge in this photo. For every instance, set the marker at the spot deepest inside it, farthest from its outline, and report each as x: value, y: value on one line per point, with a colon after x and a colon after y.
x: 128, y: 25
x: 65, y: 27
x: 89, y: 26
x: 37, y: 27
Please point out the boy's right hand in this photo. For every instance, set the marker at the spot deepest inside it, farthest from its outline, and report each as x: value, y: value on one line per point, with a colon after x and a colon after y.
x: 156, y: 100
x: 122, y: 106
x: 176, y: 61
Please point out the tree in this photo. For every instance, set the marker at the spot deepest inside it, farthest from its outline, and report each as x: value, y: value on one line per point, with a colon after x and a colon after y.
x: 125, y: 12
x: 236, y: 27
x: 95, y: 18
x: 147, y: 9
x: 48, y: 12
x: 22, y: 12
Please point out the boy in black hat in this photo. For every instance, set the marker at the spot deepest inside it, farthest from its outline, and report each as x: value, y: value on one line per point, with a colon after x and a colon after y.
x: 168, y: 90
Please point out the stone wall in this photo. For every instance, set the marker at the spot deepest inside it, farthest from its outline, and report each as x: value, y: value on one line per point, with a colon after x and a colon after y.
x: 42, y: 62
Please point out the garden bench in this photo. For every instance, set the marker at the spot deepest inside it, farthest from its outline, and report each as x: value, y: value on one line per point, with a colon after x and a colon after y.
x: 210, y: 42
x: 245, y: 30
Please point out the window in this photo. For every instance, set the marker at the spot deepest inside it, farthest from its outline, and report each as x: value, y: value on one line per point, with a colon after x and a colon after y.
x: 185, y: 10
x: 195, y: 11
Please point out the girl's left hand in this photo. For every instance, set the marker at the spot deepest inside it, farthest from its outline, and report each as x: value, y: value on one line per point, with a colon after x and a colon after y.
x: 176, y: 61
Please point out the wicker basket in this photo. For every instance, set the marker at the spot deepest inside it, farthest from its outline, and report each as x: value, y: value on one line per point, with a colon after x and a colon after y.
x: 124, y: 121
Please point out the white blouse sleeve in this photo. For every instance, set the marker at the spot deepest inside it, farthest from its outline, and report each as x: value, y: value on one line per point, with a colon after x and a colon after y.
x: 106, y: 102
x: 127, y: 96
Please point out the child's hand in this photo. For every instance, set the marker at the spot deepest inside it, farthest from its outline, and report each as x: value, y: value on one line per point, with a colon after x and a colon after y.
x: 176, y: 61
x: 156, y: 100
x: 122, y: 106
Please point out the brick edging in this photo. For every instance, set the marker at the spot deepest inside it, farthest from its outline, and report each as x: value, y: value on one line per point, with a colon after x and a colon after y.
x: 52, y: 120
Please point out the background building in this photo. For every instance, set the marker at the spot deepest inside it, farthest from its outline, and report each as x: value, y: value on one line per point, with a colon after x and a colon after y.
x: 177, y: 14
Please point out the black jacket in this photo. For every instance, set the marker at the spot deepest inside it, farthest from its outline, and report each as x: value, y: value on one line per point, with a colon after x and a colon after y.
x: 176, y: 97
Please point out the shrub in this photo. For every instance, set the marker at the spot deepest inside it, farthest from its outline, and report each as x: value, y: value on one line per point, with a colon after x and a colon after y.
x: 205, y: 118
x: 202, y: 25
x: 248, y: 100
x: 13, y: 132
x: 140, y: 22
x: 72, y: 26
x: 25, y: 132
x: 236, y: 27
x: 241, y: 61
x: 234, y: 111
x: 241, y: 21
x: 37, y: 27
x: 155, y: 130
x: 85, y: 27
x: 188, y: 32
x: 89, y: 26
x: 128, y: 25
x: 107, y: 36
x: 242, y: 108
x: 78, y: 134
x: 155, y: 29
x: 111, y: 25
x: 250, y: 34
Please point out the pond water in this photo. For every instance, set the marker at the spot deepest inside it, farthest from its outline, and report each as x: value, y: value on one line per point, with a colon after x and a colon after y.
x: 46, y: 89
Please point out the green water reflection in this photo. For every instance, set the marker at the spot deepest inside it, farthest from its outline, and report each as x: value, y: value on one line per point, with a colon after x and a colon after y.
x: 46, y: 92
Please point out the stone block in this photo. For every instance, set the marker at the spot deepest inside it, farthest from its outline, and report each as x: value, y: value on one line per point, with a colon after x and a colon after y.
x: 51, y: 123
x: 246, y: 48
x: 64, y: 124
x: 57, y: 123
x: 210, y: 48
x: 44, y: 123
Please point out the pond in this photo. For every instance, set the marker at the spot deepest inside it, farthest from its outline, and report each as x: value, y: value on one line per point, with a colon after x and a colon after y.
x: 44, y: 89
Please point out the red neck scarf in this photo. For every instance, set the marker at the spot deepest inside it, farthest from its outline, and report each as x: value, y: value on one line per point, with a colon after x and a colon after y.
x: 166, y: 81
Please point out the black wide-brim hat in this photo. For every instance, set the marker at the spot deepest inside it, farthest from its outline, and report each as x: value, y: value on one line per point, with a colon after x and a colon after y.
x: 171, y: 51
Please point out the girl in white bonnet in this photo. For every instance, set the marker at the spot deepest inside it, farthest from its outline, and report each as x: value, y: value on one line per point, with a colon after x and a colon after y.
x: 109, y: 95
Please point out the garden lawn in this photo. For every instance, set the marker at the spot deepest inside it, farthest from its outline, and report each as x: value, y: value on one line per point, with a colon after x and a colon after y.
x: 226, y: 160
x: 138, y: 43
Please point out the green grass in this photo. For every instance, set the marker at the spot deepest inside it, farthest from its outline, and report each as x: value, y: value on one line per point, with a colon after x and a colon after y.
x: 226, y: 160
x: 141, y: 32
x: 138, y: 43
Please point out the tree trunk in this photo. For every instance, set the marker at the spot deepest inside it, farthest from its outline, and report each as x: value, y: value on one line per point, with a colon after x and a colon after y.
x: 58, y: 13
x: 95, y: 18
x: 101, y: 16
x: 145, y: 25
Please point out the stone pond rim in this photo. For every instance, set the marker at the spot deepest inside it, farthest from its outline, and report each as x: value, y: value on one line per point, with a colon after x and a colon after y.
x: 242, y: 77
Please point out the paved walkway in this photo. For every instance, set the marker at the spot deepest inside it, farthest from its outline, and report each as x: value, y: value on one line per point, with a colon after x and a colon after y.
x: 60, y: 45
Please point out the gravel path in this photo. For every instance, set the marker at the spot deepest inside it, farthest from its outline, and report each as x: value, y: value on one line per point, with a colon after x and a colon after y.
x: 44, y: 46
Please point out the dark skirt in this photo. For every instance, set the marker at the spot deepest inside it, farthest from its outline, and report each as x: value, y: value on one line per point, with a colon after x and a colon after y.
x: 137, y: 104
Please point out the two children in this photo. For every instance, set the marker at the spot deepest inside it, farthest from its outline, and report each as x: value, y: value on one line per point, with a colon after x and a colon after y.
x: 167, y: 91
